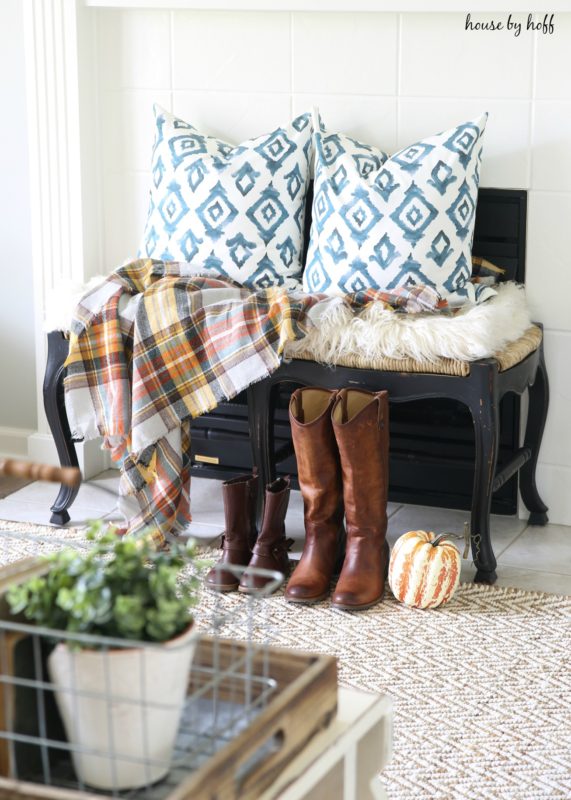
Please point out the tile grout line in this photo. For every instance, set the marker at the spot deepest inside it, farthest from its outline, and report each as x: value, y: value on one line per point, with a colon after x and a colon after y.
x: 291, y: 63
x: 395, y: 512
x: 399, y: 81
x: 533, y: 571
x: 500, y: 554
x: 532, y: 107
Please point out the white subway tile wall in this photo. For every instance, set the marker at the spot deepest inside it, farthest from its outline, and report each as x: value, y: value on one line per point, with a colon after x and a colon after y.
x: 548, y: 277
x: 134, y: 49
x: 439, y: 58
x: 126, y: 127
x: 556, y: 444
x: 230, y: 116
x: 372, y: 120
x: 551, y: 164
x: 387, y: 79
x: 506, y: 140
x: 553, y: 65
x: 324, y: 63
x: 221, y: 51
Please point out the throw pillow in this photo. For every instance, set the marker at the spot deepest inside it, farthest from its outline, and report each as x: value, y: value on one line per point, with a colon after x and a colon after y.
x: 235, y: 211
x: 382, y: 222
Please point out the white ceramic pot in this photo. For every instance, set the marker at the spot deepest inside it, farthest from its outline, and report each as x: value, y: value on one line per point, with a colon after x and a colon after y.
x: 124, y: 704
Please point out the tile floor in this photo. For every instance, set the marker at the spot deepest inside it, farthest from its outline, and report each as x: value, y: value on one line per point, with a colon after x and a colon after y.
x: 528, y: 557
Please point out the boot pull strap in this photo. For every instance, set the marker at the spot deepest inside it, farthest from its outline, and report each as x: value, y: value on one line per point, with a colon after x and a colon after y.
x: 298, y: 407
x: 344, y: 412
x: 273, y: 548
x: 253, y: 483
x: 380, y: 417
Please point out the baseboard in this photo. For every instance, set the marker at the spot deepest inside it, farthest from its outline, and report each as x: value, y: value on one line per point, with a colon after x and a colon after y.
x: 92, y: 459
x: 14, y: 442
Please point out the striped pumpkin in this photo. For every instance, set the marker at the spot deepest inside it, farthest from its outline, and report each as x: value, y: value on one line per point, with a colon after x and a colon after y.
x: 424, y: 569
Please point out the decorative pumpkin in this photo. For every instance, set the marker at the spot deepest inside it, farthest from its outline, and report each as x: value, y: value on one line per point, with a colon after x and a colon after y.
x: 424, y: 569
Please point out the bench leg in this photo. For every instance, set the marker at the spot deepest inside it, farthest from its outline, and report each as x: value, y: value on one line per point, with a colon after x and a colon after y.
x: 55, y: 412
x: 537, y: 414
x: 261, y: 407
x: 485, y: 414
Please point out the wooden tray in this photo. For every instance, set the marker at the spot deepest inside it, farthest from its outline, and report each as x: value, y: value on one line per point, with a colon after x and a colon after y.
x: 304, y: 703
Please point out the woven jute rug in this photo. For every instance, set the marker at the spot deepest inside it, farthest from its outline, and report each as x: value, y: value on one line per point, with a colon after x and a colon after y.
x: 481, y: 686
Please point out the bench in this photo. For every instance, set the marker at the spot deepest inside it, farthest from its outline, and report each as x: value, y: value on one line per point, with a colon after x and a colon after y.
x: 479, y: 385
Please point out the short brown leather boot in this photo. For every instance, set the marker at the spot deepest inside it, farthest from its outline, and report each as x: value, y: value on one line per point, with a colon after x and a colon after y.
x: 239, y: 497
x: 271, y: 549
x: 319, y: 475
x: 361, y: 425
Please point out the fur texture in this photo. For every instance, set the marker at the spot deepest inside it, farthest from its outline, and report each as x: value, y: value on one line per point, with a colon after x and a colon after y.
x: 476, y: 331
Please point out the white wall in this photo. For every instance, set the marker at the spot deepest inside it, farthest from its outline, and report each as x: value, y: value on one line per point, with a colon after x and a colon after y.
x: 388, y: 79
x: 17, y: 368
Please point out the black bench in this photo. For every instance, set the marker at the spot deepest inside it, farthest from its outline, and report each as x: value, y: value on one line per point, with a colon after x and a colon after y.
x: 481, y: 390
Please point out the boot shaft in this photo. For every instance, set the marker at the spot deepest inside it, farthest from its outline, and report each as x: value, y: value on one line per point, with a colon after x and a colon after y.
x: 317, y: 456
x: 361, y: 425
x: 275, y: 509
x: 271, y: 550
x: 239, y: 497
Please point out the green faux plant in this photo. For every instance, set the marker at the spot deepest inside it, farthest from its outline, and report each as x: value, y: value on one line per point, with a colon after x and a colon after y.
x: 121, y: 587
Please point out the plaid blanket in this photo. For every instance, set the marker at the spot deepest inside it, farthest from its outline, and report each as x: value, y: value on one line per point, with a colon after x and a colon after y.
x: 155, y: 345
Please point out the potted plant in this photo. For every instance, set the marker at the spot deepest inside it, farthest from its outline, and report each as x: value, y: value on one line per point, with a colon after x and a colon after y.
x: 120, y: 705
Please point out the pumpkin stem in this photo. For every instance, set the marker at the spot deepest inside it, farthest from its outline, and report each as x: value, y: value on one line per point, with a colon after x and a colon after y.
x: 442, y: 536
x: 465, y: 536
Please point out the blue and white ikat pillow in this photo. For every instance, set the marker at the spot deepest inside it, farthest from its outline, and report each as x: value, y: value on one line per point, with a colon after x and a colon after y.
x: 385, y: 222
x: 236, y: 211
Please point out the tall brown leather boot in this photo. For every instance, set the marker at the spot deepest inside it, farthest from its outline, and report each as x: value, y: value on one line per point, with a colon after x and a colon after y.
x: 239, y: 497
x: 271, y: 549
x: 361, y: 425
x: 319, y: 475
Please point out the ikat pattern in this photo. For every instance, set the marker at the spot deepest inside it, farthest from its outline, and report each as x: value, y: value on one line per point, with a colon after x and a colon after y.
x: 408, y: 219
x: 235, y: 211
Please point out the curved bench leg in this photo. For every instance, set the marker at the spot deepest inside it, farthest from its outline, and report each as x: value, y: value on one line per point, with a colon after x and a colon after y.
x: 261, y: 408
x: 55, y: 412
x: 484, y: 407
x: 537, y: 414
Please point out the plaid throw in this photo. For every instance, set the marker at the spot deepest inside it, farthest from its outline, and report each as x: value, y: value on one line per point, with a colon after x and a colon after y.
x: 154, y: 346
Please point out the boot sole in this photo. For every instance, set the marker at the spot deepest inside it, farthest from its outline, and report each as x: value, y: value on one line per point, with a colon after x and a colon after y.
x: 310, y: 601
x: 250, y: 590
x: 222, y: 589
x: 363, y: 607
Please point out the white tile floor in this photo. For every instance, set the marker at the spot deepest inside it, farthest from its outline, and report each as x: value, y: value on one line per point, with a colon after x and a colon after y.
x: 528, y: 557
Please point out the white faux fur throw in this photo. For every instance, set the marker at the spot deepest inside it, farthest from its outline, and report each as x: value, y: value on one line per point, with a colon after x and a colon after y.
x: 476, y: 331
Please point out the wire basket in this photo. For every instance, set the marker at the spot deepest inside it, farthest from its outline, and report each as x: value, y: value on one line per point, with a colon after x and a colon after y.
x: 123, y: 718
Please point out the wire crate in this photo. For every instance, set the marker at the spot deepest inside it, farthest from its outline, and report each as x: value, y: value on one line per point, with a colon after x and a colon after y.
x: 245, y: 709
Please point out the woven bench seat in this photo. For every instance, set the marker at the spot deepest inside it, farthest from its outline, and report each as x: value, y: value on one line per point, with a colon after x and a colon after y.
x: 507, y: 358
